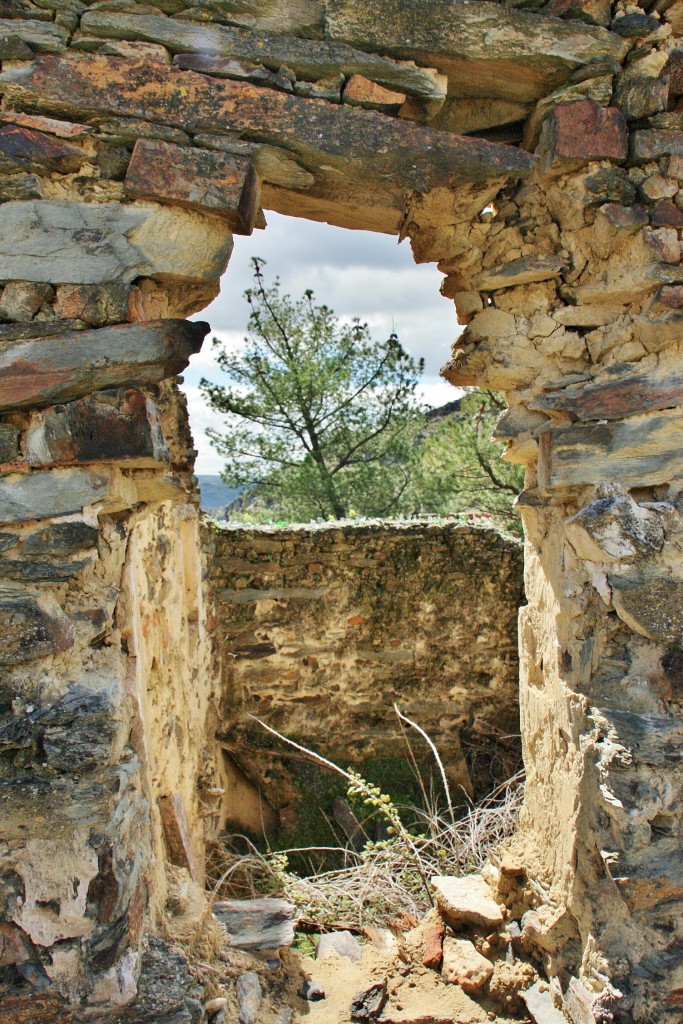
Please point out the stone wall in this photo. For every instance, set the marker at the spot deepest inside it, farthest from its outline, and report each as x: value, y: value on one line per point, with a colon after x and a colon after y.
x: 322, y: 629
x: 135, y: 140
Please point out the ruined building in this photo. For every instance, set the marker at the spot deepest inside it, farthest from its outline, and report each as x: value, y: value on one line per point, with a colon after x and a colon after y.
x: 535, y: 152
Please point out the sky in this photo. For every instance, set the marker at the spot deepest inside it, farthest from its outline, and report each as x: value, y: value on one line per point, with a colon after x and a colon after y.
x: 355, y: 273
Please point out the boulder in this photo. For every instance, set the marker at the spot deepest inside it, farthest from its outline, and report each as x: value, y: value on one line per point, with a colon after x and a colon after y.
x: 67, y: 366
x: 257, y: 924
x: 464, y: 966
x: 466, y: 900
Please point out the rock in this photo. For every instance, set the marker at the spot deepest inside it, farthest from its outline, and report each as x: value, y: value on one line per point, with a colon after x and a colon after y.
x: 46, y: 495
x: 635, y: 26
x: 39, y: 36
x: 95, y: 243
x: 285, y: 1015
x: 378, y: 158
x: 540, y: 1006
x: 107, y: 426
x: 651, y: 605
x: 574, y: 133
x: 362, y: 92
x: 167, y: 992
x: 257, y: 924
x: 466, y: 900
x: 525, y: 270
x: 177, y: 836
x: 651, y: 144
x: 38, y: 572
x: 665, y: 244
x: 619, y: 392
x: 228, y: 67
x: 25, y: 149
x: 369, y: 1003
x: 71, y: 365
x: 219, y: 183
x: 639, y: 96
x: 308, y: 59
x: 642, y: 451
x: 671, y: 295
x: 249, y: 997
x: 464, y: 966
x: 214, y: 1005
x: 94, y: 304
x: 516, y: 57
x: 310, y: 991
x: 9, y: 442
x: 31, y: 630
x: 20, y: 186
x: 341, y: 943
x: 14, y: 48
x: 61, y: 540
x: 463, y: 115
x: 382, y: 939
x: 21, y: 300
x: 666, y: 213
x: 624, y: 218
x: 615, y: 527
x: 61, y: 129
x: 610, y: 185
x: 433, y: 944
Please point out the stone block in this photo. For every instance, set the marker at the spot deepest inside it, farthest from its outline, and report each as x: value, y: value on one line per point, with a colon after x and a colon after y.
x: 61, y: 540
x: 362, y: 92
x: 643, y: 451
x: 525, y: 270
x: 53, y: 126
x: 64, y: 367
x: 574, y: 133
x: 45, y: 495
x: 665, y: 244
x: 486, y: 50
x: 9, y: 442
x: 25, y: 149
x: 38, y: 36
x: 31, y: 630
x: 93, y: 304
x: 108, y: 426
x: 464, y: 966
x: 96, y: 243
x: 666, y: 214
x: 648, y: 144
x: 21, y: 300
x: 310, y: 60
x: 615, y: 527
x: 342, y: 944
x: 372, y: 159
x: 219, y: 183
x: 38, y: 572
x: 466, y: 900
x: 618, y: 392
x: 651, y: 605
x: 257, y: 924
x: 432, y: 953
x: 20, y: 186
x: 228, y: 67
x: 14, y: 48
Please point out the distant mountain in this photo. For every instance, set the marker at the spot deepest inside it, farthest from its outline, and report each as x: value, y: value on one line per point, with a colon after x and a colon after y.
x: 216, y: 495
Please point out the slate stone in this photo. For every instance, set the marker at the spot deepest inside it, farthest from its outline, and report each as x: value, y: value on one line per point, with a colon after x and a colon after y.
x: 9, y: 442
x: 466, y: 900
x: 227, y: 67
x: 574, y: 133
x: 8, y: 540
x: 45, y: 495
x: 486, y: 49
x: 20, y: 186
x: 60, y: 540
x: 308, y: 59
x: 257, y: 924
x: 29, y: 631
x: 666, y: 214
x: 95, y: 243
x: 25, y: 149
x: 167, y: 992
x: 38, y: 572
x: 540, y: 1006
x: 651, y: 144
x: 107, y: 426
x: 221, y: 183
x: 342, y: 943
x: 635, y: 26
x: 620, y: 391
x: 610, y: 185
x: 376, y: 148
x: 14, y: 48
x: 249, y: 997
x: 40, y: 36
x: 369, y: 1003
x: 525, y: 270
x: 639, y: 96
x: 651, y: 605
x: 71, y: 365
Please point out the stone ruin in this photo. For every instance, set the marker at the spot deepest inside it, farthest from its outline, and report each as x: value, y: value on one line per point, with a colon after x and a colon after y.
x: 535, y: 152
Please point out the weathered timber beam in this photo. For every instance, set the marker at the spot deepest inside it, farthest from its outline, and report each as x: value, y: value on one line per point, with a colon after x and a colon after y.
x: 486, y: 49
x: 363, y: 149
x: 45, y: 371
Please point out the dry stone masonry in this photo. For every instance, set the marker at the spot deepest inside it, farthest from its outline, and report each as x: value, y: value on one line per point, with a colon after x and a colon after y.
x: 535, y: 151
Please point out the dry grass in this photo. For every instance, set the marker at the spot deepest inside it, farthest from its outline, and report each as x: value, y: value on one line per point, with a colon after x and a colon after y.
x: 384, y: 881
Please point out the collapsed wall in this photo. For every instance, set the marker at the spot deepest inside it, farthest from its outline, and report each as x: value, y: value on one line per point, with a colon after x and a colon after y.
x: 135, y: 140
x: 321, y: 630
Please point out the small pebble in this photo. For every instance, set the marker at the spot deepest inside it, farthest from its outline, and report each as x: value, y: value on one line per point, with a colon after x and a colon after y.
x: 310, y: 991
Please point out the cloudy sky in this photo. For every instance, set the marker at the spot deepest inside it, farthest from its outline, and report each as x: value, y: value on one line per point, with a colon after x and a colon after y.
x: 356, y: 273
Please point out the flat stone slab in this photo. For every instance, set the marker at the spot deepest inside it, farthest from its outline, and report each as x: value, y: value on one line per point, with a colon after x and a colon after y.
x: 30, y: 631
x: 46, y: 495
x: 466, y: 900
x: 342, y: 943
x: 257, y: 924
x: 63, y: 367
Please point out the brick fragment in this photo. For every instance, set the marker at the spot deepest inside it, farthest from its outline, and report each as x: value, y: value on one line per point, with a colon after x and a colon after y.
x: 433, y: 945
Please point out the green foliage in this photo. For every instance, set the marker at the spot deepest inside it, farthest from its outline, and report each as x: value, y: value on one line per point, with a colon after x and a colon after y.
x: 321, y: 419
x: 460, y: 467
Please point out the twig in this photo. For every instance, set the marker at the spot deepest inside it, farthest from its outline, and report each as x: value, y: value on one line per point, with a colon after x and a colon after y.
x: 404, y: 718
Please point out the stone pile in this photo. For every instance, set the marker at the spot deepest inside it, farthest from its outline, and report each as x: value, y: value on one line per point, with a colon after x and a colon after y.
x: 533, y: 150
